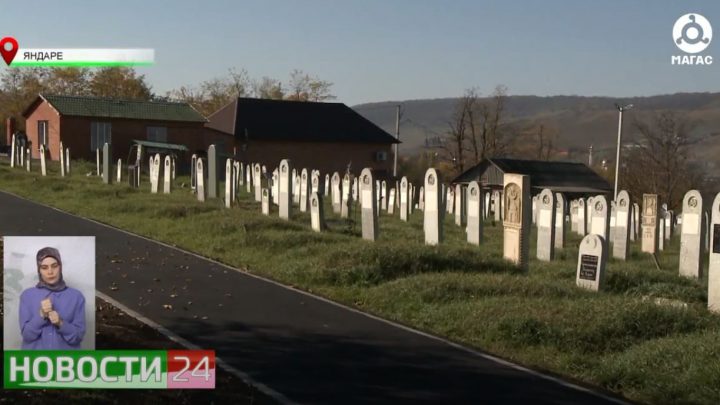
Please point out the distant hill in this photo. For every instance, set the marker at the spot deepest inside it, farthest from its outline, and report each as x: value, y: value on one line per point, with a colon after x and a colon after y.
x: 581, y: 121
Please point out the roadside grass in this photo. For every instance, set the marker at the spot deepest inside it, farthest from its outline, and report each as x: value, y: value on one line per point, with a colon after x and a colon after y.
x: 647, y: 336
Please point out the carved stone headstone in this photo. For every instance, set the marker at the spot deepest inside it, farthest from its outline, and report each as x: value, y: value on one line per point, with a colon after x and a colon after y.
x: 613, y: 220
x: 317, y: 215
x: 327, y: 185
x: 546, y: 212
x: 589, y: 208
x: 391, y: 202
x: 285, y: 199
x: 119, y: 171
x: 421, y: 199
x: 106, y: 163
x: 661, y: 237
x: 296, y: 189
x: 383, y: 195
x: 13, y: 151
x: 517, y: 216
x: 305, y: 189
x: 97, y: 162
x: 369, y: 205
x: 592, y: 257
x: 636, y: 220
x: 275, y: 191
x: 621, y: 244
x: 714, y: 259
x: 43, y: 163
x: 560, y: 209
x: 167, y: 175
x: 474, y: 213
x: 257, y: 181
x: 650, y: 223
x: 336, y: 197
x: 535, y: 209
x: 62, y: 161
x: 265, y: 201
x: 459, y: 205
x: 692, y: 235
x: 193, y: 172
x: 200, y: 179
x: 155, y: 174
x: 669, y: 217
x: 432, y: 222
x: 581, y: 217
x: 404, y: 199
x: 229, y: 182
x: 315, y: 182
x: 600, y: 218
x: 28, y: 161
x: 67, y: 160
x: 573, y: 216
x: 346, y: 203
x: 248, y: 178
x: 212, y: 169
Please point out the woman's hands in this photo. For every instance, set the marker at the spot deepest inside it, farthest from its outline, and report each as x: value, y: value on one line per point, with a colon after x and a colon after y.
x: 55, y: 318
x: 47, y: 312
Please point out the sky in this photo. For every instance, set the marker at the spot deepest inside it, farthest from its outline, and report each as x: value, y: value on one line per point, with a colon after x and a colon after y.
x: 383, y: 50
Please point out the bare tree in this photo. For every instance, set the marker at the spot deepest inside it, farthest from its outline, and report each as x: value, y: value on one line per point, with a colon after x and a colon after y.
x: 456, y: 136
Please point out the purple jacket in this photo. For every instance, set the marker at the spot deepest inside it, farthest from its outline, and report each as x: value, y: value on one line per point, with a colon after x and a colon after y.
x: 38, y: 333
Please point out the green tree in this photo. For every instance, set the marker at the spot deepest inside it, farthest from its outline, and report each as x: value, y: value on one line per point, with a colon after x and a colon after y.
x: 121, y: 83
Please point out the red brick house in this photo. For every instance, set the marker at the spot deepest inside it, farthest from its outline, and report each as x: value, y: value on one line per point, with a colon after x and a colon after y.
x: 323, y: 136
x: 86, y: 123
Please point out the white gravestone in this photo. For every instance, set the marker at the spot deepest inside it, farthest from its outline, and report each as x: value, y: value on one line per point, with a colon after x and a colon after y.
x: 546, y: 212
x: 613, y: 220
x: 119, y: 170
x: 369, y: 205
x: 167, y: 175
x: 305, y: 188
x: 560, y: 208
x: 592, y: 257
x: 248, y: 178
x: 276, y: 186
x: 228, y: 182
x: 43, y: 163
x: 391, y: 202
x: 573, y: 216
x: 317, y: 217
x: 661, y: 237
x: 265, y: 201
x: 62, y: 161
x: 600, y: 218
x: 257, y: 181
x: 517, y: 217
x: 621, y: 243
x: 433, y: 225
x: 97, y: 162
x: 692, y: 235
x: 474, y: 214
x: 193, y: 173
x: 155, y: 173
x: 285, y: 198
x: 67, y: 160
x: 200, y: 180
x: 669, y: 220
x: 421, y: 199
x: 383, y: 195
x: 459, y: 205
x: 404, y: 199
x: 636, y: 220
x: 336, y: 197
x: 346, y: 203
x: 581, y: 217
x: 13, y: 151
x: 650, y: 223
x: 714, y: 257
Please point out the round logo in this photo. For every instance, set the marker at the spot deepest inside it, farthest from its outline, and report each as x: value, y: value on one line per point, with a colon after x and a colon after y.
x: 692, y: 33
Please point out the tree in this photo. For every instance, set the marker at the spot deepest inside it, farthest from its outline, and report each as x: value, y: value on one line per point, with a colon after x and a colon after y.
x: 268, y: 88
x: 456, y: 135
x: 658, y: 162
x: 69, y: 81
x: 303, y: 87
x: 121, y: 83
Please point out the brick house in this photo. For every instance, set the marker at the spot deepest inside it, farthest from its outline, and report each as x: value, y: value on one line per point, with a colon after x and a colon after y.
x: 86, y: 123
x: 323, y: 136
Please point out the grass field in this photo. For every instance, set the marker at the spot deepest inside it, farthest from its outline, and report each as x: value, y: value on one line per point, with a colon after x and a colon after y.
x: 622, y: 339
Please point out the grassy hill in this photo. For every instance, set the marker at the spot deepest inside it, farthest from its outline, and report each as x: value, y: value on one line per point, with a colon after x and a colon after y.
x: 580, y: 121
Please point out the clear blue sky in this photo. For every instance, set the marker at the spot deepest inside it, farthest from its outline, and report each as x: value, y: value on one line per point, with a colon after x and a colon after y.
x: 378, y: 50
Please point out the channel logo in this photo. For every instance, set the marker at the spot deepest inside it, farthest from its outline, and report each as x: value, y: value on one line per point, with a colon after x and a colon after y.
x: 692, y: 34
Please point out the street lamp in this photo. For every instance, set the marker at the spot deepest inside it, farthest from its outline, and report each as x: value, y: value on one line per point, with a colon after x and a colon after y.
x: 621, y: 109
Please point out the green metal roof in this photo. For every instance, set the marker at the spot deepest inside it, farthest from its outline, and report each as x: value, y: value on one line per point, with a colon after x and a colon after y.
x: 131, y: 109
x: 161, y: 145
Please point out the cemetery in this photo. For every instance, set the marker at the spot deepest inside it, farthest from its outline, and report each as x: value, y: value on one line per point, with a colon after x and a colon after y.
x: 620, y: 294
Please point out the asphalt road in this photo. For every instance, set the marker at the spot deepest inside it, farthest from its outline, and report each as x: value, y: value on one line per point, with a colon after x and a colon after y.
x: 307, y: 349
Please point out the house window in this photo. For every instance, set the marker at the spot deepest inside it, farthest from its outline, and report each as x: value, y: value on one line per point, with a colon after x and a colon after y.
x: 157, y: 134
x: 42, y: 133
x: 381, y: 156
x: 100, y: 133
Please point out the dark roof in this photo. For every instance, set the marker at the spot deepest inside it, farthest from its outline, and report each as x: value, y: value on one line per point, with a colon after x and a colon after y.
x: 85, y: 106
x: 559, y: 176
x: 282, y: 120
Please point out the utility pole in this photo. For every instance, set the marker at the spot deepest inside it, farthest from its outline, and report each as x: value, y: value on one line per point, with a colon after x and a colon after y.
x: 619, y: 143
x: 397, y: 135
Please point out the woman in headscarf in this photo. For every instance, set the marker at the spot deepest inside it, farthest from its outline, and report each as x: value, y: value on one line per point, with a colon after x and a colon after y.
x: 52, y: 315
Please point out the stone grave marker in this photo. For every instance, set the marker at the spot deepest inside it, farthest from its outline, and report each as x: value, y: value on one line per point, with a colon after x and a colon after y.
x: 43, y: 163
x: 107, y: 156
x: 714, y: 259
x: 613, y: 220
x: 305, y: 188
x: 560, y: 208
x: 383, y: 195
x: 621, y: 244
x: 692, y: 235
x: 391, y: 202
x: 155, y: 174
x: 573, y: 216
x: 369, y: 218
x: 669, y: 221
x: 346, y: 203
x: 248, y: 178
x: 581, y: 215
x: 119, y: 171
x: 636, y: 220
x: 193, y: 172
x: 200, y: 180
x: 432, y: 222
x: 285, y: 198
x: 212, y: 169
x: 517, y: 217
x: 589, y: 208
x: 336, y: 197
x: 265, y: 201
x: 67, y: 160
x: 317, y: 216
x: 600, y: 218
x: 459, y: 205
x: 421, y: 199
x: 167, y: 175
x: 650, y: 223
x: 327, y: 185
x: 661, y: 237
x: 404, y: 199
x: 257, y: 182
x: 228, y: 183
x: 591, y: 263
x: 546, y: 212
x: 13, y: 151
x: 474, y: 214
x: 97, y: 162
x: 62, y: 161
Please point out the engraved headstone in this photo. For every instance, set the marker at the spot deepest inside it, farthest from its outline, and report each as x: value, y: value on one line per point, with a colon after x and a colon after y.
x: 636, y: 220
x: 459, y: 205
x: 265, y: 201
x: 327, y: 185
x: 661, y: 237
x: 257, y: 181
x: 391, y: 202
x: 650, y: 223
x: 383, y: 195
x: 581, y: 217
x: 546, y: 212
x: 167, y: 183
x: 404, y: 199
x: 248, y: 178
x: 317, y: 216
x: 119, y: 171
x: 336, y: 197
x: 155, y: 174
x: 212, y: 170
x: 367, y: 194
x: 560, y: 209
x: 305, y: 188
x: 346, y: 203
x: 193, y: 172
x: 613, y: 220
x: 275, y: 189
x: 200, y: 179
x: 67, y: 161
x: 97, y: 162
x: 228, y: 182
x: 432, y: 223
x: 669, y: 217
x: 421, y: 199
x: 474, y: 214
x: 692, y: 235
x: 13, y: 151
x: 714, y: 257
x: 43, y: 163
x: 592, y: 257
x: 600, y: 218
x: 573, y: 216
x: 285, y: 198
x: 588, y: 214
x: 106, y: 161
x: 621, y: 243
x: 62, y: 160
x: 517, y: 217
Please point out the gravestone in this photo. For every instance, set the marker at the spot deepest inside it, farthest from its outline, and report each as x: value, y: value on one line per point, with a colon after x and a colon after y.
x: 13, y: 151
x: 336, y: 197
x: 107, y: 156
x: 43, y: 163
x: 369, y: 205
x: 67, y: 160
x: 588, y: 214
x: 636, y: 220
x: 167, y: 183
x: 411, y: 199
x: 275, y: 190
x: 613, y: 220
x: 573, y: 216
x: 517, y: 216
x: 661, y: 237
x: 327, y: 185
x: 404, y: 199
x: 631, y: 229
x: 432, y: 222
x: 450, y: 200
x: 285, y: 198
x: 317, y: 215
x: 155, y: 175
x: 546, y: 212
x: 248, y: 178
x: 535, y: 209
x: 391, y: 202
x: 296, y: 189
x: 200, y: 180
x: 669, y: 217
x: 497, y: 205
x: 97, y: 162
x: 621, y: 243
x: 62, y: 161
x: 581, y: 215
x: 459, y: 205
x: 560, y: 208
x: 265, y: 201
x: 212, y: 169
x: 592, y: 257
x: 714, y: 257
x: 421, y: 199
x: 228, y: 182
x: 692, y: 235
x: 240, y: 174
x: 315, y: 182
x: 29, y: 159
x: 304, y: 189
x: 172, y: 167
x: 650, y: 223
x: 383, y: 195
x: 474, y: 227
x: 355, y: 189
x: 600, y: 218
x: 257, y: 181
x: 346, y: 203
x: 119, y: 171
x: 193, y: 172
